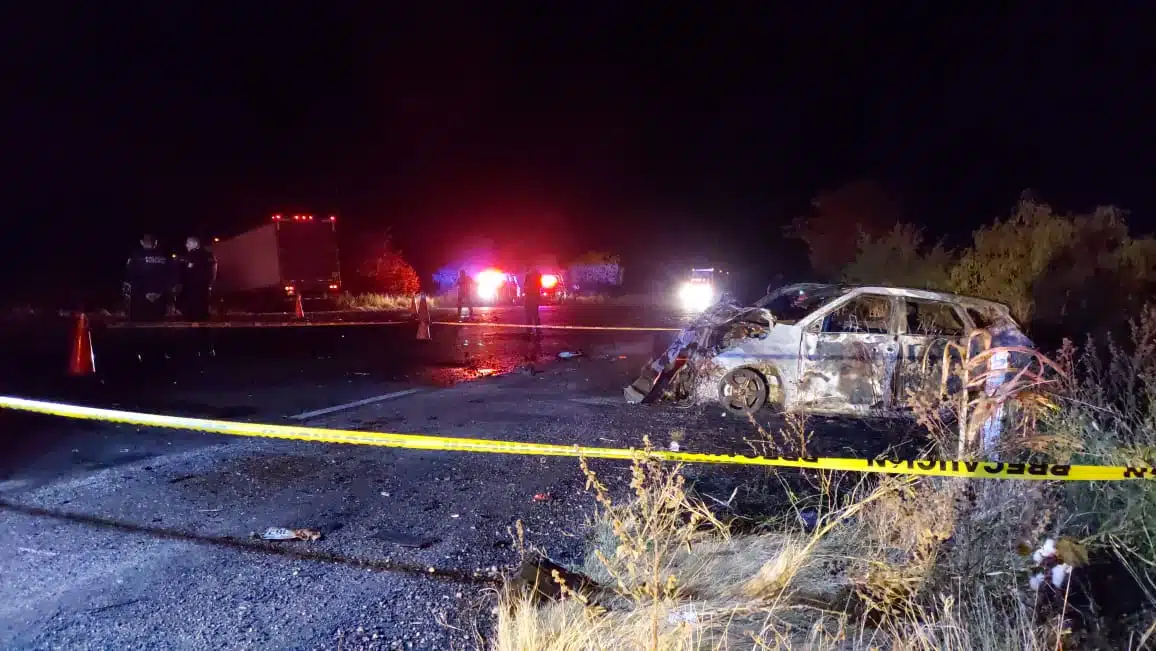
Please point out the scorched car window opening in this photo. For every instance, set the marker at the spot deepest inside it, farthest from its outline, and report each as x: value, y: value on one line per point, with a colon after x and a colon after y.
x: 792, y: 305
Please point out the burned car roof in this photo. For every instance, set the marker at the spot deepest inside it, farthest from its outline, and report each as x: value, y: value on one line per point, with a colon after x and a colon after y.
x: 836, y: 290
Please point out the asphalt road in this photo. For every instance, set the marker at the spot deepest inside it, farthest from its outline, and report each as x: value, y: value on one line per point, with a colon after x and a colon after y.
x: 126, y: 538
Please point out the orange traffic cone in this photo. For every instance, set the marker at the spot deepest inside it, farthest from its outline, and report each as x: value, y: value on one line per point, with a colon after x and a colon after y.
x: 423, y: 331
x: 81, y: 360
x: 299, y: 311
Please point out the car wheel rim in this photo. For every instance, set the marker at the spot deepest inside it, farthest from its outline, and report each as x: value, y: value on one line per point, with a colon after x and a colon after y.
x: 742, y: 391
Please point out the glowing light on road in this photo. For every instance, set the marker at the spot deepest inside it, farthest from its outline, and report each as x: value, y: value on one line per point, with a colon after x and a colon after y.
x: 488, y: 282
x: 696, y: 296
x: 549, y: 281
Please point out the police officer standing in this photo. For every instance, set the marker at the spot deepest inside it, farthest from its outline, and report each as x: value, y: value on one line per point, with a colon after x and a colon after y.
x: 533, y: 295
x: 466, y: 290
x: 197, y: 274
x: 149, y: 282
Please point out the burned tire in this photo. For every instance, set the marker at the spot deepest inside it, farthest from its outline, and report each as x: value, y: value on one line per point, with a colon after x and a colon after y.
x: 742, y: 392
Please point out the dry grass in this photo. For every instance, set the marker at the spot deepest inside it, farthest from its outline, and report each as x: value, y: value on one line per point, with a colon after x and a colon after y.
x: 871, y: 574
x: 370, y: 302
x: 889, y: 562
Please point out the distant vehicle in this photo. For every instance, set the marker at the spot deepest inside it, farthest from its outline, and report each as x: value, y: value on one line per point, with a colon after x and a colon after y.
x: 494, y: 286
x: 702, y: 289
x: 271, y: 265
x: 554, y: 288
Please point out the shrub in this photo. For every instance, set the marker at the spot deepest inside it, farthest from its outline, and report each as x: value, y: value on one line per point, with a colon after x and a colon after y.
x: 386, y: 269
x: 900, y: 258
x: 1108, y: 403
x: 1083, y: 271
x: 837, y: 218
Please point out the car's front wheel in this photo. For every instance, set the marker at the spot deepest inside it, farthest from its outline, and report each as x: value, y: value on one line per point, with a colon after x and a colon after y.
x: 743, y: 392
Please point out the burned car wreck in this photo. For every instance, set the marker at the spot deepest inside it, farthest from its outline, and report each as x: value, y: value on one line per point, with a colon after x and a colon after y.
x: 820, y: 348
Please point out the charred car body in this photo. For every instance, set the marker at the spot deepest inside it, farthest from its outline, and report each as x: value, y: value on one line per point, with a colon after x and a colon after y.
x: 819, y: 348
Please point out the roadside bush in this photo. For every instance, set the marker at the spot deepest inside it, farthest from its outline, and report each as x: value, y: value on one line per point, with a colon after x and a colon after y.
x: 901, y: 258
x: 1082, y: 271
x: 1108, y: 403
x: 837, y: 218
x: 595, y: 270
x: 1057, y: 272
x: 386, y: 270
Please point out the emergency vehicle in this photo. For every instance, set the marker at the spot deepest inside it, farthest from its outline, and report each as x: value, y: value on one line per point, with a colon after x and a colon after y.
x: 494, y: 286
x: 702, y: 289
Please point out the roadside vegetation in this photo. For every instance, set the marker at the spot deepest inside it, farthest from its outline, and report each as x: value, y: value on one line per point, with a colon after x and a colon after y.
x: 1058, y: 272
x: 853, y: 561
x: 374, y: 301
x: 850, y: 561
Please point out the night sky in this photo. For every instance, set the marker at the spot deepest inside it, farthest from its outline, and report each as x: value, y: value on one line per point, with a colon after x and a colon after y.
x: 664, y: 131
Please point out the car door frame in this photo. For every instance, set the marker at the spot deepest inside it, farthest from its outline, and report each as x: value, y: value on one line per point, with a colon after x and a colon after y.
x: 913, y: 347
x: 820, y: 380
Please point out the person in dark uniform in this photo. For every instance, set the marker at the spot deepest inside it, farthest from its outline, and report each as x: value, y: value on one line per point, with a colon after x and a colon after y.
x: 149, y: 282
x: 533, y: 296
x: 466, y: 292
x: 198, y: 271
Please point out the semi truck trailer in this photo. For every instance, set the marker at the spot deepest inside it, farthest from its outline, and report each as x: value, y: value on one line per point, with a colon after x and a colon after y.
x: 270, y: 266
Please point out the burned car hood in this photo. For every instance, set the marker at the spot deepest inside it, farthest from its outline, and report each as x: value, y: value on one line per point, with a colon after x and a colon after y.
x: 716, y: 329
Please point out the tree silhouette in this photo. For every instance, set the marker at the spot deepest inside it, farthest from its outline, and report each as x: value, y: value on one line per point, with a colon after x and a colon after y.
x: 837, y: 220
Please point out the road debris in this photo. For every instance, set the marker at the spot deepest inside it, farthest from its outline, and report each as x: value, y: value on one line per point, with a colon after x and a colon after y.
x: 543, y: 497
x: 544, y: 579
x: 567, y: 354
x: 403, y: 539
x: 283, y: 533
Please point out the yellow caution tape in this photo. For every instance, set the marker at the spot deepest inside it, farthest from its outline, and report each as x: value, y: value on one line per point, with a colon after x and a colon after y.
x: 926, y: 467
x: 482, y: 324
x: 180, y: 325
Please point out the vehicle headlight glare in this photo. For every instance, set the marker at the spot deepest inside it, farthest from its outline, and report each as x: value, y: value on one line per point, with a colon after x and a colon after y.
x: 696, y: 296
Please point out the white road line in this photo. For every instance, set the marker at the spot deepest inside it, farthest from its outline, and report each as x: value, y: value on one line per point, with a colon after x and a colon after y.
x: 349, y: 405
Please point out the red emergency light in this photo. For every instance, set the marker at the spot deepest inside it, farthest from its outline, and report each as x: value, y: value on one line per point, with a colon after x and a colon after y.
x: 549, y: 281
x: 276, y: 218
x: 333, y: 218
